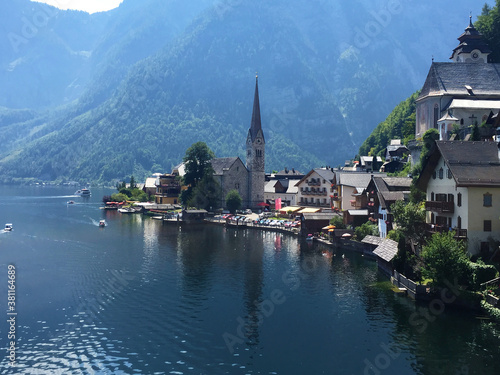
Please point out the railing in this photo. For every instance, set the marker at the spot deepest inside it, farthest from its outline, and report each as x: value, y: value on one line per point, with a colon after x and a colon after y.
x: 440, y: 207
x: 459, y: 233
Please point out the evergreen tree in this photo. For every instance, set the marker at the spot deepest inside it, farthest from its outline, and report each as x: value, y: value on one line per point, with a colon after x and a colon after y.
x: 233, y: 201
x: 488, y: 23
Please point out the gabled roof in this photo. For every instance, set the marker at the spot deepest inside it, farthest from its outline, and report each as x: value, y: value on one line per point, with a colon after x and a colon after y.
x: 325, y: 173
x: 358, y: 180
x: 288, y: 173
x: 221, y: 164
x: 387, y: 250
x: 372, y: 240
x: 471, y: 163
x: 450, y: 78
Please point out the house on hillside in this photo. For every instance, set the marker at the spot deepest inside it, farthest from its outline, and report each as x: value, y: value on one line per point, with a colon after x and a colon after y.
x: 315, y: 187
x: 459, y: 93
x: 462, y: 185
x: 382, y: 192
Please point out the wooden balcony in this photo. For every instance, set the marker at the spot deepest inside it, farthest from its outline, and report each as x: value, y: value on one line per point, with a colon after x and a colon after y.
x: 440, y: 207
x: 460, y: 234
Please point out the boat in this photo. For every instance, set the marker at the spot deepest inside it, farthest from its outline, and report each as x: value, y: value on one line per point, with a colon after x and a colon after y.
x: 309, y: 237
x: 83, y: 192
x: 102, y: 223
x: 71, y: 202
x: 126, y: 210
x: 8, y: 228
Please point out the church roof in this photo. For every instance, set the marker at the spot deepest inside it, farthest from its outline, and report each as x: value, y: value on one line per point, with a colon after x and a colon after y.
x: 465, y: 79
x: 256, y: 124
x: 470, y: 40
x: 221, y: 164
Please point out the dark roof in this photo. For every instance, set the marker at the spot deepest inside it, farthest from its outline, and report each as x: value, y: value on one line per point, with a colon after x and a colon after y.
x: 471, y: 163
x: 325, y: 173
x: 256, y: 125
x: 287, y: 172
x: 470, y: 40
x: 451, y: 78
x: 387, y: 250
x: 220, y: 164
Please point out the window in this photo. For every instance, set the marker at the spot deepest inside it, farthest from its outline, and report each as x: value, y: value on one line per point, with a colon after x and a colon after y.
x: 487, y: 200
x: 487, y: 225
x: 441, y: 172
x: 459, y: 222
x: 450, y: 198
x: 448, y: 174
x: 459, y: 199
x: 436, y: 116
x: 432, y: 197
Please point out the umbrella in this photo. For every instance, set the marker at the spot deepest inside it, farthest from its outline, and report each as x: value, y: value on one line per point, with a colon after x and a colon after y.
x: 261, y: 204
x: 346, y: 235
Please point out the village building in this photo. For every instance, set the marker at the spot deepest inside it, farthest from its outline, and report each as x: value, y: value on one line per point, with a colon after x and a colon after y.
x: 460, y: 93
x: 281, y: 189
x: 168, y: 189
x: 462, y: 185
x: 315, y: 187
x: 382, y: 193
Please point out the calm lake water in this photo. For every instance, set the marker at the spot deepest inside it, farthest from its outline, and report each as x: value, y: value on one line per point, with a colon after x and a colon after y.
x: 142, y: 297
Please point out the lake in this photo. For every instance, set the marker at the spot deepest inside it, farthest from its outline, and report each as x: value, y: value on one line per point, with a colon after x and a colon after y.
x: 143, y: 297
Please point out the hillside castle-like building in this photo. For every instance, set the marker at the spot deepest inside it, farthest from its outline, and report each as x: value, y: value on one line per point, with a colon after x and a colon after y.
x: 460, y: 93
x: 248, y: 179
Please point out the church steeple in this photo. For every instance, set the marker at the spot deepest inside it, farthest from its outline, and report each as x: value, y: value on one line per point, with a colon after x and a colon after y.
x: 256, y: 125
x: 472, y: 47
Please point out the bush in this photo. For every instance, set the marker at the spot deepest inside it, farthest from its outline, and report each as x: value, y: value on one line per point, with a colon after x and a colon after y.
x: 364, y: 230
x: 481, y: 273
x: 493, y: 312
x: 119, y: 197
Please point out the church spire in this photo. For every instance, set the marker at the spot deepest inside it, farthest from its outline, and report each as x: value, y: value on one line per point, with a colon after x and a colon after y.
x: 472, y: 47
x: 256, y: 124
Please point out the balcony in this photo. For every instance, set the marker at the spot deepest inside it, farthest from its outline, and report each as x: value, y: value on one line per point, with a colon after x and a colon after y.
x: 460, y: 234
x: 440, y: 207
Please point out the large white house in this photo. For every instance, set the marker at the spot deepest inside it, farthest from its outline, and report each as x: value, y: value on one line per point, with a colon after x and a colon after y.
x: 462, y: 184
x: 314, y: 188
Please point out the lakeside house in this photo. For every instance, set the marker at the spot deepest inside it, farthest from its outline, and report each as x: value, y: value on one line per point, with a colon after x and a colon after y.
x: 462, y: 185
x: 382, y: 192
x: 314, y: 188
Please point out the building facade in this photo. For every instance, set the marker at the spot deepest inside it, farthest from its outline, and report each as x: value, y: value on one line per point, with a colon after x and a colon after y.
x: 462, y: 185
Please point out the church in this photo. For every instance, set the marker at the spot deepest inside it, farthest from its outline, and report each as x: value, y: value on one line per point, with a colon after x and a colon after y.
x: 463, y: 92
x: 249, y: 178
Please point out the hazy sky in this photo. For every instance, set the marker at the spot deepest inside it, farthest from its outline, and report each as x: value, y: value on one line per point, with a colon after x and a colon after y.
x: 90, y: 6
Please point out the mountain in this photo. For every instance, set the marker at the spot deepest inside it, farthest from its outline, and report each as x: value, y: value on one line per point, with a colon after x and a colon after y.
x: 329, y: 72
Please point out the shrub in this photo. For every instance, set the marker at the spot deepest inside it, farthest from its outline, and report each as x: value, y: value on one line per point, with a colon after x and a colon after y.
x: 481, y: 273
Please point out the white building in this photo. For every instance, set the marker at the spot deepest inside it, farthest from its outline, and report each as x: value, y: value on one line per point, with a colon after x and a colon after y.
x: 462, y: 184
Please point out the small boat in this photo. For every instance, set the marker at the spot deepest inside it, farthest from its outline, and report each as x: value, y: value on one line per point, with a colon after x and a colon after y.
x: 71, y: 202
x: 102, y: 223
x: 126, y: 210
x: 8, y: 228
x: 83, y: 192
x: 309, y: 237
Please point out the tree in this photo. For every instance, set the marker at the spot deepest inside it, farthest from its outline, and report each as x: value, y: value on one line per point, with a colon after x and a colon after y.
x: 410, y: 218
x: 197, y: 164
x: 338, y: 221
x: 445, y: 259
x: 488, y: 23
x: 133, y: 185
x: 197, y: 160
x: 365, y: 229
x: 474, y: 134
x: 233, y: 201
x: 207, y: 194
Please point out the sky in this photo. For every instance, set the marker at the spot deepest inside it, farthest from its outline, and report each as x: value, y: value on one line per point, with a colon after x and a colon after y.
x: 90, y: 6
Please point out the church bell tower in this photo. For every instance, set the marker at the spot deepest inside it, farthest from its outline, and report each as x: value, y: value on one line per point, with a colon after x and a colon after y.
x: 255, y: 161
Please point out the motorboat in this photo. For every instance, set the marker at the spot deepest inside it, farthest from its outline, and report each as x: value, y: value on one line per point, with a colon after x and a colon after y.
x: 71, y: 202
x: 83, y: 192
x: 102, y: 223
x: 8, y: 227
x: 127, y: 210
